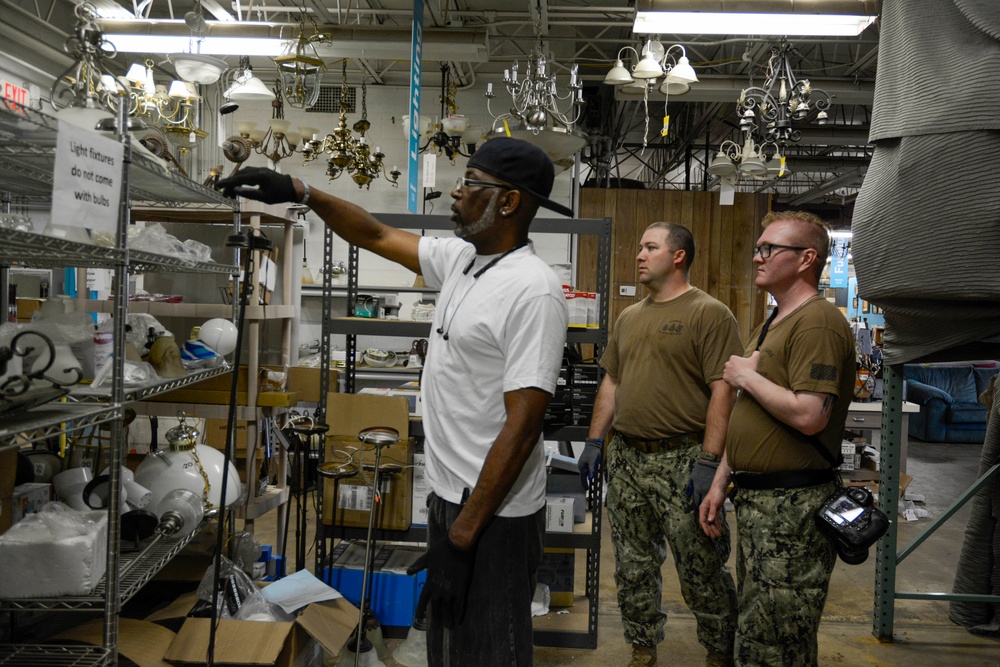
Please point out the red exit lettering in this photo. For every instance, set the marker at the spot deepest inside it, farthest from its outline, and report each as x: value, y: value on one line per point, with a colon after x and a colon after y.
x: 15, y: 94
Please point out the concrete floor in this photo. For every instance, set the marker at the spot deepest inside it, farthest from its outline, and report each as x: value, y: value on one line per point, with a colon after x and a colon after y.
x: 923, y: 634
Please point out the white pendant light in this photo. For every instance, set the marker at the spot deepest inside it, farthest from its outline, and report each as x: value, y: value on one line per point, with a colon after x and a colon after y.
x: 198, y: 68
x: 618, y: 75
x: 647, y: 68
x: 721, y: 165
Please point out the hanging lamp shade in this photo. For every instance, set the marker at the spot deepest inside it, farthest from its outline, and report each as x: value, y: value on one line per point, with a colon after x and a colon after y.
x: 198, y: 68
x: 721, y: 165
x: 669, y: 87
x: 753, y: 166
x: 637, y: 88
x: 249, y: 90
x: 682, y: 72
x: 618, y: 75
x: 300, y: 70
x: 647, y: 68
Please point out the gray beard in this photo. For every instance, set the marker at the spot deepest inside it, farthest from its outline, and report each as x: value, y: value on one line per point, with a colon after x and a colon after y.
x: 485, y: 221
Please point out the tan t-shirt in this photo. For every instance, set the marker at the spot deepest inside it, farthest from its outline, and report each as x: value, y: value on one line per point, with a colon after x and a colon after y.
x: 809, y: 350
x: 664, y: 355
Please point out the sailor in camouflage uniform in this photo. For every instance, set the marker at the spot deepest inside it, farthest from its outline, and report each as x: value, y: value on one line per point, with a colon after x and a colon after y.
x: 665, y: 398
x: 795, y: 388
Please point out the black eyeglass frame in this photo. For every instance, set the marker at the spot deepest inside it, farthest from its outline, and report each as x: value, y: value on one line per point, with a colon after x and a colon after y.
x: 463, y: 182
x: 765, y: 249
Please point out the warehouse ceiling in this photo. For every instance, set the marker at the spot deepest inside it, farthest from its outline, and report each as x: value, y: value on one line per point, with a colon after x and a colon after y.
x: 826, y: 165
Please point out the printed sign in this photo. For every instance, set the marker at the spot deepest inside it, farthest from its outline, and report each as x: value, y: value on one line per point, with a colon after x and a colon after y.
x: 416, y: 60
x: 86, y: 188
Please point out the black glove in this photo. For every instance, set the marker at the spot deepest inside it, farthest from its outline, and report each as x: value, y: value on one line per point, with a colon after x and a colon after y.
x: 589, y: 462
x: 700, y: 482
x: 449, y: 573
x: 261, y: 184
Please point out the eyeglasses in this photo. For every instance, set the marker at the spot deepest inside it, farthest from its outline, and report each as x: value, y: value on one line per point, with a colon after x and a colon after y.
x: 765, y: 249
x: 473, y: 183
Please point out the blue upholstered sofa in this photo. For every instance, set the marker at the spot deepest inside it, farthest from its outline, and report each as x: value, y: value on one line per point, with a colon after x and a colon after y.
x: 948, y: 396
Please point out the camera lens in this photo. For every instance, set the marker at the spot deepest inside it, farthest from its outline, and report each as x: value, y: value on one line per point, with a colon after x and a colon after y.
x: 850, y: 555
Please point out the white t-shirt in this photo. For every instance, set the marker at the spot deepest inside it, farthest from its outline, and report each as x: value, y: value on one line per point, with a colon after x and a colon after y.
x: 505, y: 331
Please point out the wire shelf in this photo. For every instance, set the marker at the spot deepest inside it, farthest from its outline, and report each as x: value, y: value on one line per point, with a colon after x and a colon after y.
x: 45, y: 656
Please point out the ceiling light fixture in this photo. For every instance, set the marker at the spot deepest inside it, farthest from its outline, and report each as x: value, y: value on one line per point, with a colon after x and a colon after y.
x: 350, y: 154
x: 79, y: 93
x: 300, y: 68
x: 540, y: 114
x: 451, y: 127
x: 270, y: 40
x: 244, y: 86
x: 768, y: 17
x: 782, y: 99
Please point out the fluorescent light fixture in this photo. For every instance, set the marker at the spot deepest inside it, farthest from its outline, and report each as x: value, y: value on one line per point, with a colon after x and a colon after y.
x: 770, y: 17
x: 271, y: 39
x: 215, y: 46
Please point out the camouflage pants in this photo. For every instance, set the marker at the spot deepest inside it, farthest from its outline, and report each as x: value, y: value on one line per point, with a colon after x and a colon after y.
x: 783, y: 568
x: 647, y: 510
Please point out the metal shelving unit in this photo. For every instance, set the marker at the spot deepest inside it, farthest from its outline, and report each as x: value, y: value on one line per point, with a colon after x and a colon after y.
x: 583, y: 632
x: 28, y: 140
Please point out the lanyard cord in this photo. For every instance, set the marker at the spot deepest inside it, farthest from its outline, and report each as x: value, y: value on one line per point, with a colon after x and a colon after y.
x: 445, y: 328
x: 767, y: 325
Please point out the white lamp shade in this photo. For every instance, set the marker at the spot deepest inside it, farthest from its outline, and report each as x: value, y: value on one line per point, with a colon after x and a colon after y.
x: 136, y: 74
x: 722, y: 166
x: 618, y: 75
x: 168, y: 470
x: 647, y: 68
x: 682, y: 72
x: 637, y: 88
x: 250, y: 90
x: 180, y: 90
x: 245, y: 126
x: 198, y: 68
x: 306, y: 132
x: 669, y: 87
x: 293, y: 137
x: 455, y: 124
x: 280, y: 125
x: 753, y: 166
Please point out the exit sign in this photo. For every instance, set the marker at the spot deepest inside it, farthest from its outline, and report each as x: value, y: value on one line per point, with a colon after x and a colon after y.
x: 16, y: 94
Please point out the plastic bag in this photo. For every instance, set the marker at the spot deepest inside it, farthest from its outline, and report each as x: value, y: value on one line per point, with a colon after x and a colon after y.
x: 55, y: 521
x: 237, y: 588
x: 256, y: 608
x: 154, y: 238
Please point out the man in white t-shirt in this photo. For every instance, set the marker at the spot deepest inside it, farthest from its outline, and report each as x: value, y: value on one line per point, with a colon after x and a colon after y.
x: 492, y: 362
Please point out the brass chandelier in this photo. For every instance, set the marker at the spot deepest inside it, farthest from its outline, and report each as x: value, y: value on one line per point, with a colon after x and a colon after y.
x: 348, y: 153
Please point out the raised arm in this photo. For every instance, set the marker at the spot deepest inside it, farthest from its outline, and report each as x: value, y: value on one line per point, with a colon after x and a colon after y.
x: 348, y: 221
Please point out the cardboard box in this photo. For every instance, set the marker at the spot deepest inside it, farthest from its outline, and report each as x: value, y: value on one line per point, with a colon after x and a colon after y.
x: 353, y: 501
x: 558, y: 514
x: 282, y: 644
x: 556, y: 570
x: 568, y: 486
x: 29, y: 498
x: 305, y: 383
x: 26, y: 307
x: 870, y: 478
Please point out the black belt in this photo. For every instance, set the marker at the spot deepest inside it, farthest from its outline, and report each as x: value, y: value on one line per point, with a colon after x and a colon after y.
x: 647, y: 446
x: 791, y: 479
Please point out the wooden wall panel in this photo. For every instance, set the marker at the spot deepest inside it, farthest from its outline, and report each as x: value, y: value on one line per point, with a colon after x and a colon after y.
x: 724, y: 239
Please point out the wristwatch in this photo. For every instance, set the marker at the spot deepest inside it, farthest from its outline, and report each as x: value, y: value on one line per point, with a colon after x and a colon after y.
x: 709, y: 456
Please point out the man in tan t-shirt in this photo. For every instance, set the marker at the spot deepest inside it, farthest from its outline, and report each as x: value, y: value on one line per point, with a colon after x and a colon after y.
x: 795, y: 385
x: 665, y: 401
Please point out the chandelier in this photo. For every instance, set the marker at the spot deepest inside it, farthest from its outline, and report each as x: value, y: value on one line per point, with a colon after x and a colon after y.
x: 782, y: 99
x: 539, y: 113
x: 300, y: 68
x: 655, y: 61
x: 155, y: 102
x: 349, y: 153
x: 450, y: 137
x: 763, y: 162
x: 81, y: 93
x: 279, y: 141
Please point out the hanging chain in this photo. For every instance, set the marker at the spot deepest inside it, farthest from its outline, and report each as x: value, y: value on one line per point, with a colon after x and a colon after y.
x: 364, y: 99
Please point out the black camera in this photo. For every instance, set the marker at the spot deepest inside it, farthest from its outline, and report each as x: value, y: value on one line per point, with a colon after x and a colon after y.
x: 851, y: 521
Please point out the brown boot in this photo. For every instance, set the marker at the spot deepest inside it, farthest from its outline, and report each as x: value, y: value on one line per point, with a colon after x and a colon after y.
x: 717, y: 659
x: 643, y: 656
